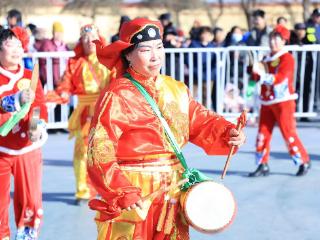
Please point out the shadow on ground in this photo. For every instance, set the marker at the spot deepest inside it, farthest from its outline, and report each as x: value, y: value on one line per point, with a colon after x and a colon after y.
x: 64, y: 197
x: 283, y: 155
x: 57, y: 163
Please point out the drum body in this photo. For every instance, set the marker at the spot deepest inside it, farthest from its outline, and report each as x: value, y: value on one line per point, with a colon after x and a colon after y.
x: 209, y: 207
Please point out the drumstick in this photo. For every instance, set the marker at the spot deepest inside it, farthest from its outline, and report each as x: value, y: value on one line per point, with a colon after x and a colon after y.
x: 161, y: 190
x: 239, y: 126
x: 165, y: 189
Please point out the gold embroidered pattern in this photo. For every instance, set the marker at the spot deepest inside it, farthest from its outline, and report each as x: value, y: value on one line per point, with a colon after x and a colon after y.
x: 101, y: 148
x: 95, y: 75
x: 177, y: 120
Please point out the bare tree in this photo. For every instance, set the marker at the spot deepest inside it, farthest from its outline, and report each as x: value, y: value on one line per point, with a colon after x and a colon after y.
x: 306, y: 9
x: 288, y: 7
x: 248, y: 6
x: 176, y: 6
x: 21, y: 5
x: 214, y: 20
x: 90, y: 8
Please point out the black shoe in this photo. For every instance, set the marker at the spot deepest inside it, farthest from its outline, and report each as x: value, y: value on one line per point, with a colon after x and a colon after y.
x: 303, y: 169
x: 52, y: 131
x: 304, y: 119
x: 262, y: 170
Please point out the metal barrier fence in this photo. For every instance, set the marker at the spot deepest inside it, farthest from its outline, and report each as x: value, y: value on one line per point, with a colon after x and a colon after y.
x: 217, y: 77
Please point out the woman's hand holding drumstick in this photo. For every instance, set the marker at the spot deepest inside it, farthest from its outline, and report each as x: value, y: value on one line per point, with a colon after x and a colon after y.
x: 237, y: 138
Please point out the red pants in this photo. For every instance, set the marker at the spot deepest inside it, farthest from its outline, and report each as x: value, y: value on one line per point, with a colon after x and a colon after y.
x: 27, y: 172
x: 283, y: 114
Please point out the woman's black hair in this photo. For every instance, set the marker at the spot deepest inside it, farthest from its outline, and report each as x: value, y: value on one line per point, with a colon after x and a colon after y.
x: 276, y: 34
x: 124, y: 53
x: 228, y: 39
x: 14, y: 13
x: 4, y: 35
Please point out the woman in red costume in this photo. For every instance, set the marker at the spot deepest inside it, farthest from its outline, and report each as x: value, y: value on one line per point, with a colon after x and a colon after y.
x: 129, y: 155
x: 20, y: 148
x: 278, y: 104
x: 84, y: 77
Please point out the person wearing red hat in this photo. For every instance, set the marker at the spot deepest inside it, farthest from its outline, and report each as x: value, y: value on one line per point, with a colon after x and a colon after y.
x: 20, y: 153
x: 276, y: 75
x: 84, y: 77
x: 129, y: 155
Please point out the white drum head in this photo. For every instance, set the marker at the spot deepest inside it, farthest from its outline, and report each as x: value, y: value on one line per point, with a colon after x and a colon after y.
x: 209, y: 207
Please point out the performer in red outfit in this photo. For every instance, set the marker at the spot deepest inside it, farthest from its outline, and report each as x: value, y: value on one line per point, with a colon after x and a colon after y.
x: 278, y: 104
x: 129, y: 155
x: 20, y: 153
x: 85, y: 77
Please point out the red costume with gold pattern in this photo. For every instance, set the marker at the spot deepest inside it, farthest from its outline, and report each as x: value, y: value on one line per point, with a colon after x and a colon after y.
x: 84, y: 77
x: 130, y: 156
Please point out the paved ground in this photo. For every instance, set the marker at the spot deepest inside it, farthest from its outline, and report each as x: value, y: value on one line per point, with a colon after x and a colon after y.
x: 280, y: 206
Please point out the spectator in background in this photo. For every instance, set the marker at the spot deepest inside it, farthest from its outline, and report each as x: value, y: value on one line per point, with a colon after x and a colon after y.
x: 168, y: 27
x: 232, y: 101
x: 56, y: 44
x: 32, y: 31
x: 14, y: 18
x: 123, y: 19
x: 165, y: 19
x: 282, y: 21
x: 259, y: 35
x: 174, y: 39
x: 194, y: 31
x: 201, y: 68
x: 39, y: 36
x: 313, y: 36
x: 218, y: 37
x: 298, y: 35
x: 313, y: 27
x: 234, y: 37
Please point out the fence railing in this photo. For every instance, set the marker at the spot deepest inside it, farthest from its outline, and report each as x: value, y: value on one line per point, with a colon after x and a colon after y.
x: 216, y: 77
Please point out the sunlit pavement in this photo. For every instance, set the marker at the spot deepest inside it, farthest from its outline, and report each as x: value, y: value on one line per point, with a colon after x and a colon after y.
x: 280, y: 206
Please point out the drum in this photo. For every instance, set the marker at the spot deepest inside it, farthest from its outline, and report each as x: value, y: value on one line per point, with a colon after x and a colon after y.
x: 209, y: 207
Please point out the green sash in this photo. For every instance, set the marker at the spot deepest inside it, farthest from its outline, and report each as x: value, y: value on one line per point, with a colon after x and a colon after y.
x: 193, y: 175
x: 14, y: 119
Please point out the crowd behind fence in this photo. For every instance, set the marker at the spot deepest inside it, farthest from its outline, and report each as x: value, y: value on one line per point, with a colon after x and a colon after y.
x: 216, y: 77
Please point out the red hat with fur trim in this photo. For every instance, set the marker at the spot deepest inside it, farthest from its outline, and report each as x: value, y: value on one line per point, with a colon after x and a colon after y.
x: 282, y: 31
x: 22, y: 35
x: 131, y: 33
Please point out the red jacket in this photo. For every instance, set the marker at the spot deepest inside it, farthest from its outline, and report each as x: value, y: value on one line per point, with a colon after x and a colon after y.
x: 277, y: 83
x: 17, y: 141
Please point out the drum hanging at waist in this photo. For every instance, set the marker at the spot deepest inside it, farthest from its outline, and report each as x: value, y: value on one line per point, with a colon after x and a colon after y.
x: 209, y: 207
